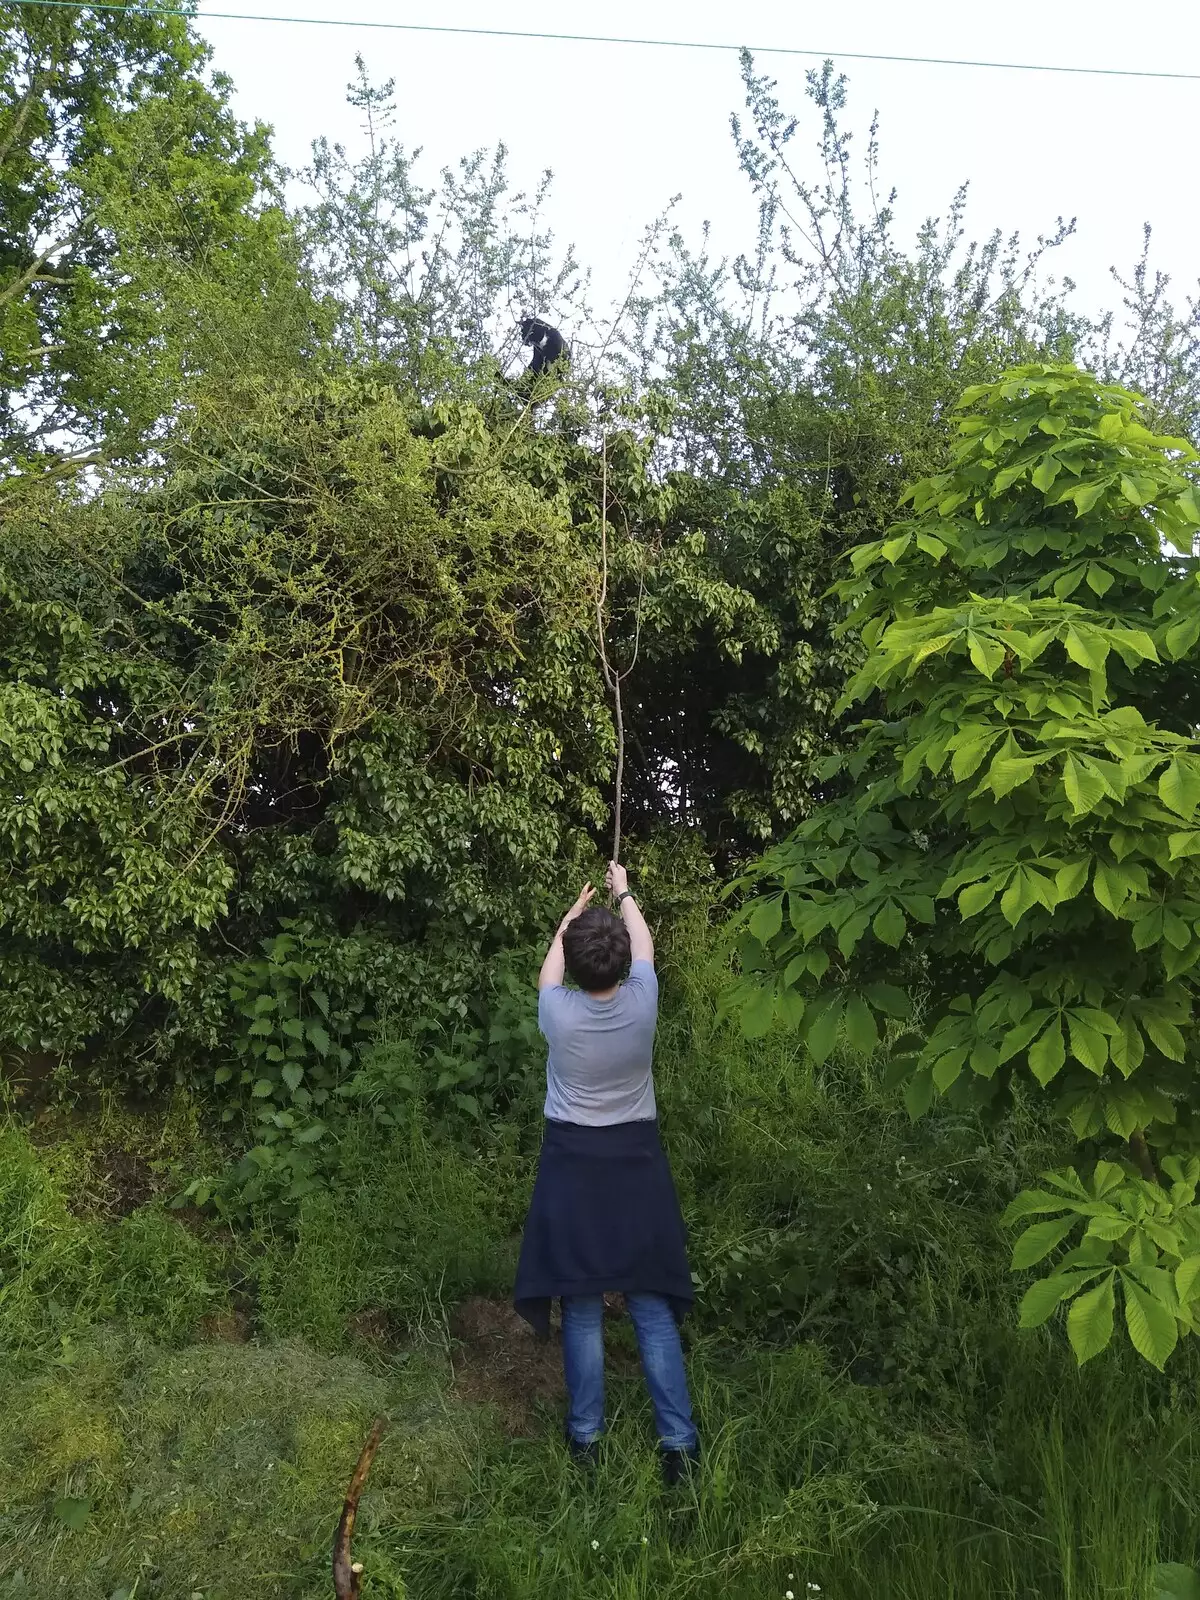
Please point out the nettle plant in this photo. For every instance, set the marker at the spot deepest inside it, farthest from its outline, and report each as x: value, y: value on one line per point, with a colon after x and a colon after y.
x: 1016, y: 837
x: 293, y: 1043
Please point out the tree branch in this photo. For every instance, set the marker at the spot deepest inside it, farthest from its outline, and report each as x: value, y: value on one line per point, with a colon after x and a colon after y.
x: 37, y: 81
x: 31, y: 272
x: 1142, y: 1157
x: 612, y: 678
x: 347, y: 1574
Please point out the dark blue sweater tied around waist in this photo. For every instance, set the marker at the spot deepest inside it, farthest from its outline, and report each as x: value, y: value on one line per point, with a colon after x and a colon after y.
x: 604, y: 1218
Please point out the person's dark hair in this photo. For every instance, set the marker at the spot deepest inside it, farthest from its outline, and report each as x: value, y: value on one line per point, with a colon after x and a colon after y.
x: 596, y: 947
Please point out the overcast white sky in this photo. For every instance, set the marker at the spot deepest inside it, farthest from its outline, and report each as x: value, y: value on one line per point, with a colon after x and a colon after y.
x: 624, y: 128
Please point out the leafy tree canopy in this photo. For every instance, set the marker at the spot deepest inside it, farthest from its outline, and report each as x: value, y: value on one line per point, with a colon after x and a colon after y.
x: 1016, y: 840
x: 139, y: 234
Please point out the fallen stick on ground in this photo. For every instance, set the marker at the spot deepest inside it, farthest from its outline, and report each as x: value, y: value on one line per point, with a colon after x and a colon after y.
x: 347, y: 1574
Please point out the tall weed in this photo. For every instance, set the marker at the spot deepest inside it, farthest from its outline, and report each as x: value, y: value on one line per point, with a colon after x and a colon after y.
x: 410, y: 1226
x: 62, y: 1272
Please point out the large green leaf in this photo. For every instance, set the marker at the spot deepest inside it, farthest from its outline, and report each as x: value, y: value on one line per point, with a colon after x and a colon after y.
x: 889, y: 925
x: 1099, y: 579
x: 1153, y: 1330
x: 987, y: 655
x: 72, y: 1511
x: 1164, y: 1035
x: 1112, y: 885
x: 888, y: 998
x: 985, y: 1060
x: 1068, y: 583
x: 1072, y: 877
x: 948, y: 1068
x: 1138, y: 490
x: 791, y: 1006
x: 1086, y: 646
x: 823, y: 1030
x: 758, y: 1013
x: 1179, y: 786
x: 1007, y: 773
x: 767, y: 919
x: 1187, y: 1279
x: 861, y: 1031
x: 1134, y: 645
x: 1086, y: 495
x: 1107, y: 1176
x: 1042, y: 1298
x: 1171, y: 1580
x: 970, y: 753
x: 976, y: 897
x: 1032, y: 1203
x: 918, y: 1093
x: 1088, y: 1044
x: 1038, y: 1241
x: 1111, y: 1227
x: 1020, y: 896
x: 1180, y: 638
x: 1048, y: 1054
x: 1090, y: 1320
x: 1007, y: 476
x: 1085, y: 788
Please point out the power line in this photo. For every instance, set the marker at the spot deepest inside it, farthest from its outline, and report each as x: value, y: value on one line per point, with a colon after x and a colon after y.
x: 603, y: 38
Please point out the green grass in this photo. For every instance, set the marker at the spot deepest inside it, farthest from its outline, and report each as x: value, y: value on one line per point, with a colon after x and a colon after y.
x: 216, y: 1465
x: 210, y: 1467
x: 873, y: 1421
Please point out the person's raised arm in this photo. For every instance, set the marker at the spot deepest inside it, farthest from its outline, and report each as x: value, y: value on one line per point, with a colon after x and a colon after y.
x: 641, y: 943
x: 555, y: 964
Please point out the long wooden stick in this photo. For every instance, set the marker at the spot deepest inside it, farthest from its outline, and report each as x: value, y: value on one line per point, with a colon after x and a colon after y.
x: 620, y: 720
x: 347, y: 1574
x: 612, y: 678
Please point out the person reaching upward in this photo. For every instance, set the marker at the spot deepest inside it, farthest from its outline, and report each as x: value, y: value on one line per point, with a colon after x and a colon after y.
x: 604, y: 1216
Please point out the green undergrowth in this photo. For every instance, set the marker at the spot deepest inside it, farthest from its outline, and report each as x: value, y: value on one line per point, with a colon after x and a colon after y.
x: 181, y: 1402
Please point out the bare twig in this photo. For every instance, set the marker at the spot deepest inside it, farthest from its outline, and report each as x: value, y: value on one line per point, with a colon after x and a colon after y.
x: 347, y: 1574
x: 649, y: 240
x: 603, y: 595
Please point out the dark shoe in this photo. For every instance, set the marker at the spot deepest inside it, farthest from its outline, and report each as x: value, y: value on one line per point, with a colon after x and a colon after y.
x: 586, y: 1456
x: 678, y: 1465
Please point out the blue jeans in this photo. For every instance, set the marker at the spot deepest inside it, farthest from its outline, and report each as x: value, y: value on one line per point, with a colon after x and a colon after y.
x: 662, y: 1362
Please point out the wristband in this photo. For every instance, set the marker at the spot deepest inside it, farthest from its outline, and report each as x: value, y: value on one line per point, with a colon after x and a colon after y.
x: 625, y: 894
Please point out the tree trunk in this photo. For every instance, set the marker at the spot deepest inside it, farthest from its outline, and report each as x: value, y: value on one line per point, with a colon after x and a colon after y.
x: 1139, y: 1151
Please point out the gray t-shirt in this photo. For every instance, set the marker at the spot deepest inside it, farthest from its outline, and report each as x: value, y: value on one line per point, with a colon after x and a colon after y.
x: 598, y: 1070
